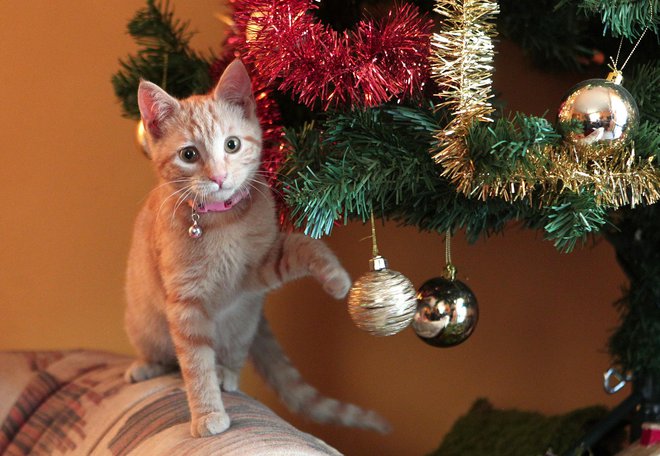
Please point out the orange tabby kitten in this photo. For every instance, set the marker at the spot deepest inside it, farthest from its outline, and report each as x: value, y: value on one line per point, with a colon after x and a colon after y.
x: 206, y: 248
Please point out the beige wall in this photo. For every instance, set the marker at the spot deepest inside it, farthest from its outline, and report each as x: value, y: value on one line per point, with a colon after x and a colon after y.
x: 72, y: 181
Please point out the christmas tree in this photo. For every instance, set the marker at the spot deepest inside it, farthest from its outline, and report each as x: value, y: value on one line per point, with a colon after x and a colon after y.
x: 389, y: 110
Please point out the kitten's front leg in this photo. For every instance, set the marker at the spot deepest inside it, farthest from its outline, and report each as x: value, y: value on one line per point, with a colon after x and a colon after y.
x: 192, y: 333
x: 295, y: 256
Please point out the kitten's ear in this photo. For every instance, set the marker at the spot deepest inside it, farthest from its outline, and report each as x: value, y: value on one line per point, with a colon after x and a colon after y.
x: 156, y: 106
x: 235, y: 87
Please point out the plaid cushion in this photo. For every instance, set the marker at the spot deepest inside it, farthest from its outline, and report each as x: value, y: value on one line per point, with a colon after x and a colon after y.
x: 76, y: 402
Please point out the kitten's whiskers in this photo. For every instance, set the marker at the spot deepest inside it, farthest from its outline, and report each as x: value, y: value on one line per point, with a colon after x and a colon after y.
x: 265, y: 175
x: 183, y: 197
x: 265, y: 184
x: 184, y: 189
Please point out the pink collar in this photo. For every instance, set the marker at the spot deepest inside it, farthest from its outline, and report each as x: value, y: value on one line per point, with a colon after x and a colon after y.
x: 220, y: 206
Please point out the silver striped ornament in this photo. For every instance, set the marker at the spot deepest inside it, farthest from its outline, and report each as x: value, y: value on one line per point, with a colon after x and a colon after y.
x: 382, y: 301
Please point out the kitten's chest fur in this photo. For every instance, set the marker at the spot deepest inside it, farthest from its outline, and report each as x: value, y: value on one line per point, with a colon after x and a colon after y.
x: 215, y: 267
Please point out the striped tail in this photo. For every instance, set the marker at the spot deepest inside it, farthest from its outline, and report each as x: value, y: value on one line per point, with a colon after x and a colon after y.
x: 276, y: 368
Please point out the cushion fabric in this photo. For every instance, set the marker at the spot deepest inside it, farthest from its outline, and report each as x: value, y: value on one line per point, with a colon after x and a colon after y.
x: 77, y: 402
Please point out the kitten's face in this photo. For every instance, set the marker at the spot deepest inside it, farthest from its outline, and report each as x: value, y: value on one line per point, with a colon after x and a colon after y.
x: 208, y: 147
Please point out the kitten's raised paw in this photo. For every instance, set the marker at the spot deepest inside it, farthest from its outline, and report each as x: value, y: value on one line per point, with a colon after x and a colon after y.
x: 140, y: 370
x: 336, y: 282
x: 210, y: 424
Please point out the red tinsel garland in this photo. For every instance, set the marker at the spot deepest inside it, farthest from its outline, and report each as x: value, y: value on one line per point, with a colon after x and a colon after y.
x: 289, y: 47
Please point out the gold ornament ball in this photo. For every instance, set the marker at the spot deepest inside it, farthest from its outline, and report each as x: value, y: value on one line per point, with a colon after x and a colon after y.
x: 598, y: 111
x: 447, y: 312
x: 382, y: 302
x: 141, y: 138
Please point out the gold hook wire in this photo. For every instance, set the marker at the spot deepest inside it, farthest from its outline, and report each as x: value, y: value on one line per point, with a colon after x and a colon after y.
x: 374, y: 243
x: 450, y: 268
x: 615, y: 61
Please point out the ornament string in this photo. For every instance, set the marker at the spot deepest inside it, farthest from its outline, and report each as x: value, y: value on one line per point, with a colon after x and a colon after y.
x: 450, y: 268
x: 166, y: 62
x: 615, y: 61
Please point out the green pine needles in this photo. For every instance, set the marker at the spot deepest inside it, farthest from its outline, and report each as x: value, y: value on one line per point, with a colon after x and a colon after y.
x: 379, y: 159
x: 626, y: 18
x: 635, y: 345
x: 561, y: 37
x: 643, y: 83
x: 165, y: 58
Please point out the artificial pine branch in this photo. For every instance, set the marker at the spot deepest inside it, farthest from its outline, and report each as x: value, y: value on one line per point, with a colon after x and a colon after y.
x: 498, y: 148
x: 367, y: 158
x: 647, y: 141
x: 552, y: 35
x: 635, y: 345
x: 165, y: 58
x: 336, y: 177
x: 643, y: 83
x: 572, y: 219
x: 626, y: 18
x: 156, y: 27
x: 379, y: 159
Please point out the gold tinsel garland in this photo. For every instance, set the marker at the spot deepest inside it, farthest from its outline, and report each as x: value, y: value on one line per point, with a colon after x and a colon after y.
x: 462, y: 65
x: 615, y: 179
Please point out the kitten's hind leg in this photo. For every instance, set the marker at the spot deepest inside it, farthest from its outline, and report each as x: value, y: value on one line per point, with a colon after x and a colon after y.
x: 228, y: 378
x: 141, y: 370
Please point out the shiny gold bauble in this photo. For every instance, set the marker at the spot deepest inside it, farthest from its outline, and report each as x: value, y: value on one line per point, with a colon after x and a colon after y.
x: 141, y: 139
x: 447, y: 312
x: 382, y: 301
x: 598, y: 111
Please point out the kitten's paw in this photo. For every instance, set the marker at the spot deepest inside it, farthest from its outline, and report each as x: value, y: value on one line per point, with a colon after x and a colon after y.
x: 228, y: 379
x: 338, y: 286
x: 210, y: 424
x: 141, y: 370
x: 336, y: 281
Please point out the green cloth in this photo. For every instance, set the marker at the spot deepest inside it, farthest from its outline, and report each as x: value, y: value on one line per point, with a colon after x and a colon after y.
x: 485, y: 430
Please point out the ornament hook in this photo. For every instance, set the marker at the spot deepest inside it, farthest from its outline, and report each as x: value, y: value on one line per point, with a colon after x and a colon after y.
x: 449, y: 268
x: 613, y: 373
x: 377, y: 262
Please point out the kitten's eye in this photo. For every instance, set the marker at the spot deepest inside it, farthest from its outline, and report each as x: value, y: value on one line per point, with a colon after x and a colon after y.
x: 232, y: 145
x: 189, y: 154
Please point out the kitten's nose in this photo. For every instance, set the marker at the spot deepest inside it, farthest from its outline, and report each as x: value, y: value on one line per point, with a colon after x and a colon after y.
x: 219, y: 178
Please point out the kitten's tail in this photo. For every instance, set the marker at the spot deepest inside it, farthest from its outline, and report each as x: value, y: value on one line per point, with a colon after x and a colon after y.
x: 300, y: 397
